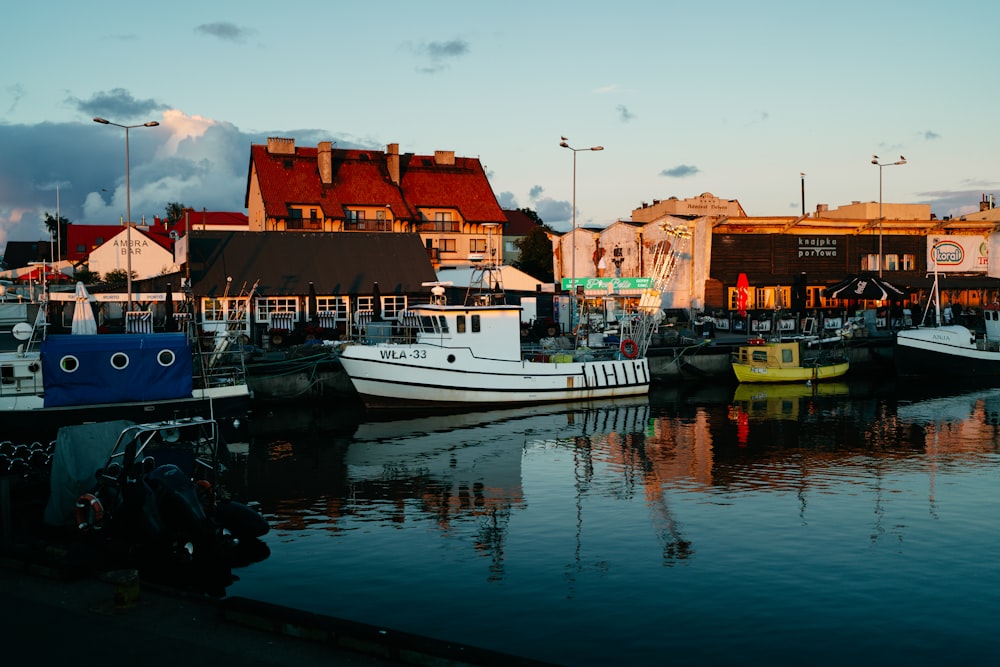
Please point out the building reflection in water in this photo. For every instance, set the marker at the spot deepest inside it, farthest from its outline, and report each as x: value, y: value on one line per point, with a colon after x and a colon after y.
x: 463, y: 473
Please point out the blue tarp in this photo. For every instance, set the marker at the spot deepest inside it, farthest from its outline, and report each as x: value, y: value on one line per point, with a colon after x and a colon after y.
x: 115, y: 368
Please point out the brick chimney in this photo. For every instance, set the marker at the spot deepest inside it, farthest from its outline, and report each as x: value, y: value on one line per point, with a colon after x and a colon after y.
x: 280, y: 146
x: 392, y: 162
x: 324, y: 162
x: 444, y: 158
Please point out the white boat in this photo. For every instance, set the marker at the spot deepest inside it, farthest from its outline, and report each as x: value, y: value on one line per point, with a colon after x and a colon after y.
x: 949, y: 351
x: 443, y: 355
x: 459, y: 355
x: 62, y: 379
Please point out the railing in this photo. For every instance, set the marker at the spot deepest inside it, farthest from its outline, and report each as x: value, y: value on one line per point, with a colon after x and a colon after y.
x: 367, y: 225
x: 138, y: 321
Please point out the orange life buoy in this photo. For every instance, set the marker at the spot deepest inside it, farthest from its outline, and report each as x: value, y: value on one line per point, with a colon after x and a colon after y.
x: 89, y: 512
x: 629, y: 349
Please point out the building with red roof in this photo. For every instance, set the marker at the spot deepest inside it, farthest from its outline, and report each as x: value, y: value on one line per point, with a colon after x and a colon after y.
x: 446, y: 199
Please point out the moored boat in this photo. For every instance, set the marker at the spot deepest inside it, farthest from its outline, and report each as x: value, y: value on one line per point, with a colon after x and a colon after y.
x: 53, y: 380
x: 448, y: 355
x: 761, y: 360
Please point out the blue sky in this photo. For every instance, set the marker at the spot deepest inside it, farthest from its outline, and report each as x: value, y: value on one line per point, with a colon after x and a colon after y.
x: 732, y: 98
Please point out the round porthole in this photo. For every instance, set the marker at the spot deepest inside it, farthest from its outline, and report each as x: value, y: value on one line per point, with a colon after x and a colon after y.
x: 119, y: 361
x: 451, y: 358
x: 69, y: 364
x: 166, y: 358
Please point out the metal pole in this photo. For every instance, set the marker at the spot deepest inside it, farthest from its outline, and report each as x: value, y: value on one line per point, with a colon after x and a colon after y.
x: 128, y: 223
x: 880, y: 262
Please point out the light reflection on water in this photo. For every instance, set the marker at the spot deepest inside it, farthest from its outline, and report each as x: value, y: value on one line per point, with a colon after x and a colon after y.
x: 699, y: 525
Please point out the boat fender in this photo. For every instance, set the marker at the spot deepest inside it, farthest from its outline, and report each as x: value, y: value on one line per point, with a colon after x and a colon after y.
x: 629, y: 349
x: 177, y: 499
x: 206, y: 494
x: 89, y: 512
x: 241, y: 520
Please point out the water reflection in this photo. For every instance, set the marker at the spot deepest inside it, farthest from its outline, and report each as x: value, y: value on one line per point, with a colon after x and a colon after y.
x: 584, y: 528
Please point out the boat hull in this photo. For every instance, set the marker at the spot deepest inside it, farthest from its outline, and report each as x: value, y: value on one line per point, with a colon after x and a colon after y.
x: 228, y: 404
x: 395, y: 376
x: 943, y: 352
x: 751, y: 373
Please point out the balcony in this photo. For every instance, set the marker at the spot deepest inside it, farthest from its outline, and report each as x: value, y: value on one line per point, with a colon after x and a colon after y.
x: 438, y: 226
x: 367, y: 225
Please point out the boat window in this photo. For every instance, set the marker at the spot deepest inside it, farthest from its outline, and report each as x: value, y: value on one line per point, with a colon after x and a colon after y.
x: 760, y: 355
x: 427, y: 323
x: 476, y: 328
x: 69, y: 363
x: 460, y: 324
x: 119, y: 361
x: 786, y: 356
x: 444, y: 323
x: 166, y: 358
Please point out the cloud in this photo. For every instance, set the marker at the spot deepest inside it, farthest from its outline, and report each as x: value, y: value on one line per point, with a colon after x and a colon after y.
x: 225, y: 31
x: 507, y: 201
x: 606, y: 90
x: 680, y: 171
x: 554, y: 212
x: 438, y: 53
x: 624, y: 114
x: 196, y: 161
x: 118, y: 104
x: 535, y: 192
x: 930, y: 135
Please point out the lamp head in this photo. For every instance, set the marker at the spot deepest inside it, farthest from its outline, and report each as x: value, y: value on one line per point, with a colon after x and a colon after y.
x: 597, y: 148
x: 151, y: 123
x: 564, y: 144
x: 102, y: 121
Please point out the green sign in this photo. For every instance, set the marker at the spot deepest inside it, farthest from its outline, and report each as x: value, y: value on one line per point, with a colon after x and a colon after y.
x: 603, y: 284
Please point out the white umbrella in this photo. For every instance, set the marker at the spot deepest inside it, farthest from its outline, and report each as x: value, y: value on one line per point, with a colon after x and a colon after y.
x: 83, y: 315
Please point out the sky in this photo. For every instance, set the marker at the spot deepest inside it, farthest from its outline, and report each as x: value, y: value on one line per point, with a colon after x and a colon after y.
x: 733, y: 98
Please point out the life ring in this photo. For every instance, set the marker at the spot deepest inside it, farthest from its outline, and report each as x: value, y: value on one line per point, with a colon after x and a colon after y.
x: 89, y: 512
x: 206, y: 494
x: 629, y: 349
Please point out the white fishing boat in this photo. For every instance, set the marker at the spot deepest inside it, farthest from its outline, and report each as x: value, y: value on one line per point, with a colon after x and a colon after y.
x: 948, y: 351
x: 443, y: 355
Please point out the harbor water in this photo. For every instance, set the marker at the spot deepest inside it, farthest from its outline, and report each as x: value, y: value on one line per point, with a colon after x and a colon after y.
x: 840, y: 523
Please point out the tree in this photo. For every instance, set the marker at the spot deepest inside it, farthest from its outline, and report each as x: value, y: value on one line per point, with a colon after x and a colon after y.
x: 59, y: 230
x: 117, y: 278
x: 86, y: 276
x: 175, y: 212
x: 533, y: 215
x: 535, y: 254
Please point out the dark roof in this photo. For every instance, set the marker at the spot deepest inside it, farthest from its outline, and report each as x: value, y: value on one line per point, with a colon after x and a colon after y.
x: 518, y: 223
x: 20, y: 253
x: 346, y: 263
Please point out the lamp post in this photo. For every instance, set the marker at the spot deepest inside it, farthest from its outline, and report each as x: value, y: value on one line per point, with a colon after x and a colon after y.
x: 565, y: 144
x: 128, y: 201
x: 901, y: 160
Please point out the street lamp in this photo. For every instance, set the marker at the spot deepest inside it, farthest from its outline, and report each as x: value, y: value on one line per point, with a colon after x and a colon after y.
x: 128, y: 200
x: 564, y: 143
x: 901, y: 160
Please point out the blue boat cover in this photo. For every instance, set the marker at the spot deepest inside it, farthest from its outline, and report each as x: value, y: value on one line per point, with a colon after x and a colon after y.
x: 115, y: 368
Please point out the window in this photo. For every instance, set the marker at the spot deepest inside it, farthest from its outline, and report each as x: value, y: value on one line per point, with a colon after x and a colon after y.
x: 475, y: 324
x: 356, y: 215
x: 460, y: 324
x: 268, y: 306
x: 393, y: 305
x: 333, y: 304
x: 908, y: 263
x: 869, y: 263
x: 212, y: 309
x: 477, y: 245
x: 892, y: 262
x: 380, y: 214
x: 446, y: 245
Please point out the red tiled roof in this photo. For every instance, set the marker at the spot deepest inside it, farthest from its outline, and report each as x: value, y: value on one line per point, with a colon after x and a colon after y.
x: 361, y: 178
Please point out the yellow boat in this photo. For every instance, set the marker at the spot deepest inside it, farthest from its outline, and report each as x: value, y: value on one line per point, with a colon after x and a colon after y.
x: 782, y: 361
